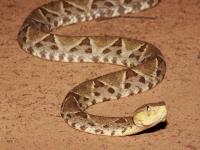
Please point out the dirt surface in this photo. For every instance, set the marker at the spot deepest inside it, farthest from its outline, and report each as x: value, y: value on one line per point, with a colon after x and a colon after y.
x: 32, y: 90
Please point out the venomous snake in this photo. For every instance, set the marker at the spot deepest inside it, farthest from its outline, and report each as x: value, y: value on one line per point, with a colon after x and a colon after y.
x: 145, y: 66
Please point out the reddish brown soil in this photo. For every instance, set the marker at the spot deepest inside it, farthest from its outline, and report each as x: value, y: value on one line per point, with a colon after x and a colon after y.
x: 32, y: 90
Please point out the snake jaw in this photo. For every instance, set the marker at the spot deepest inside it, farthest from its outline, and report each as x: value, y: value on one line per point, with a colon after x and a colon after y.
x: 150, y: 115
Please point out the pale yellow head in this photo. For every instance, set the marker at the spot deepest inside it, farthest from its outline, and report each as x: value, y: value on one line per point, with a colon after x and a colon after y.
x: 150, y: 114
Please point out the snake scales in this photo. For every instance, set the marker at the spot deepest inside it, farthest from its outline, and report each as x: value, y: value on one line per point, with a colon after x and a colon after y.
x: 145, y: 66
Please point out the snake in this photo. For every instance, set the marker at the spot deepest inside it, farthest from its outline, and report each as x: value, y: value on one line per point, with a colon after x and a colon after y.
x: 144, y: 64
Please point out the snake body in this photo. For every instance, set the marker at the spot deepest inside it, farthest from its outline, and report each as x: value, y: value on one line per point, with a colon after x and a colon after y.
x: 145, y: 66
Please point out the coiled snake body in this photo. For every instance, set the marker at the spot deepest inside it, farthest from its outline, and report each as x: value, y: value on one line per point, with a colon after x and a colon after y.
x: 145, y: 66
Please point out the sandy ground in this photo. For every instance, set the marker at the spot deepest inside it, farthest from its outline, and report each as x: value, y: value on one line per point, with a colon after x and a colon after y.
x: 32, y: 90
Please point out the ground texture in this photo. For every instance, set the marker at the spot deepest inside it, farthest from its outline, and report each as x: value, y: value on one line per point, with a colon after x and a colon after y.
x: 32, y: 90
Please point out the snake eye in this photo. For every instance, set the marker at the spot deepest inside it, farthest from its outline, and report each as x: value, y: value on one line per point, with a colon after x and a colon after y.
x: 148, y: 108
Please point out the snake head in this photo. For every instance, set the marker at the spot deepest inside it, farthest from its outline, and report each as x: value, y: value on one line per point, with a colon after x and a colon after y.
x: 150, y: 115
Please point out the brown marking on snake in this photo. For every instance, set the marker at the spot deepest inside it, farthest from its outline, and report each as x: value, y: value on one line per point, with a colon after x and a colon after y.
x: 96, y: 1
x: 142, y: 79
x: 24, y: 39
x: 106, y: 51
x: 82, y: 114
x: 73, y: 49
x: 80, y: 105
x: 119, y: 52
x: 121, y: 10
x: 106, y: 126
x: 137, y: 57
x: 99, y: 131
x: 88, y: 50
x: 68, y: 12
x: 43, y: 54
x: 114, y: 60
x: 127, y: 1
x: 54, y: 6
x: 121, y: 120
x: 94, y: 102
x: 70, y: 104
x: 54, y: 47
x: 86, y: 99
x: 49, y: 19
x: 150, y: 85
x: 124, y: 130
x: 69, y: 115
x: 30, y: 50
x: 98, y: 84
x: 66, y: 19
x: 91, y: 124
x: 62, y: 115
x: 50, y: 38
x: 77, y: 97
x: 95, y: 59
x: 105, y: 99
x: 39, y: 13
x: 111, y: 90
x: 125, y: 62
x: 66, y: 5
x: 130, y: 73
x: 108, y: 4
x: 139, y: 90
x: 131, y: 93
x: 73, y: 125
x: 142, y: 48
x: 158, y: 72
x: 86, y: 41
x: 150, y: 2
x: 97, y: 94
x: 94, y: 6
x: 81, y: 59
x: 118, y: 96
x: 132, y: 55
x: 118, y: 43
x: 38, y: 45
x: 127, y: 85
x: 55, y: 23
x: 83, y: 127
